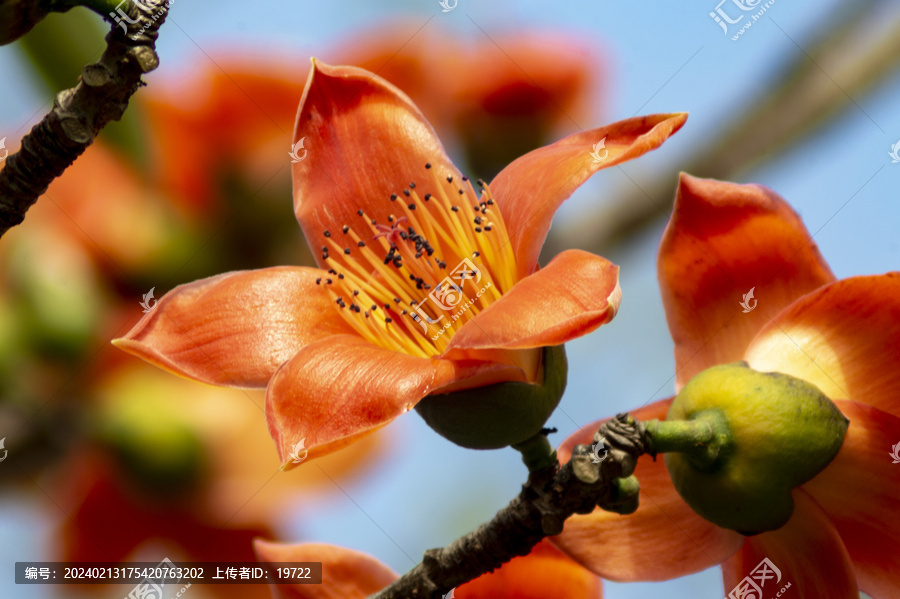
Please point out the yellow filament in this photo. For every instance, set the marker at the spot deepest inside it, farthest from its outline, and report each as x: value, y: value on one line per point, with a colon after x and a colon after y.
x: 451, y: 236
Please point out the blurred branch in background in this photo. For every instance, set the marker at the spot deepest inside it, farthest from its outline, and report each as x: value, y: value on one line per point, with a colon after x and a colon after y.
x: 854, y: 51
x: 79, y: 113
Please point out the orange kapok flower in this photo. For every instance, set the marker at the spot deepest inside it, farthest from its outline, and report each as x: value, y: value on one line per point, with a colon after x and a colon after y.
x: 402, y: 238
x: 843, y: 336
x: 545, y: 572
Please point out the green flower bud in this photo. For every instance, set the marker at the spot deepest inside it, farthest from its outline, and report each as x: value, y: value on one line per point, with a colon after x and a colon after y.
x: 768, y: 433
x: 498, y: 415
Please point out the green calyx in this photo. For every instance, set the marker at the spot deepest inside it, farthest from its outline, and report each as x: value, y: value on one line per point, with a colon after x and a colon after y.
x: 742, y: 440
x: 498, y: 415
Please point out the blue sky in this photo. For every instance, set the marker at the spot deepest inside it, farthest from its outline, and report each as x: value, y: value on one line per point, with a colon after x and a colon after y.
x: 661, y: 57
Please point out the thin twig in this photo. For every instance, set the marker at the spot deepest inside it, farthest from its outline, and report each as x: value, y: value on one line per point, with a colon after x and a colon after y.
x: 79, y: 113
x: 551, y: 495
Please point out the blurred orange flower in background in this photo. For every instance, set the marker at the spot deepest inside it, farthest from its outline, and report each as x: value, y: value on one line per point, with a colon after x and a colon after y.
x: 843, y: 336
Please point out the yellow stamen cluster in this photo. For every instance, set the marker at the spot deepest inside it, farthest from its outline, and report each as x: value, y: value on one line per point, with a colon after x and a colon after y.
x: 411, y: 283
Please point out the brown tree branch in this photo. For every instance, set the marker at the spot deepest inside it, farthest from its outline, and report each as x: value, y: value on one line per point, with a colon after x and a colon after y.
x: 551, y: 495
x: 79, y: 113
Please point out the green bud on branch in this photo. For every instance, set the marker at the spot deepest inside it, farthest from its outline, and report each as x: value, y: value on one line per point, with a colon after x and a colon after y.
x: 742, y: 440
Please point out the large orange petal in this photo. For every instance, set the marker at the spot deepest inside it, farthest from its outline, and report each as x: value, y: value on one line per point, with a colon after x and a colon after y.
x: 576, y: 293
x: 722, y: 240
x: 365, y: 140
x: 806, y: 559
x: 545, y: 572
x: 531, y: 189
x: 343, y: 388
x: 346, y: 574
x: 237, y: 328
x: 663, y: 539
x: 859, y: 492
x: 844, y: 338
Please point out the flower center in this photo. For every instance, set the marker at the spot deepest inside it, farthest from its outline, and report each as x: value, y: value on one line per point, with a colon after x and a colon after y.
x: 412, y: 282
